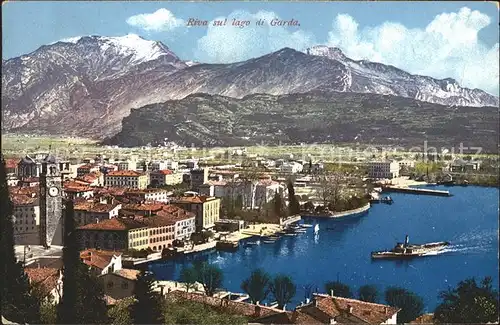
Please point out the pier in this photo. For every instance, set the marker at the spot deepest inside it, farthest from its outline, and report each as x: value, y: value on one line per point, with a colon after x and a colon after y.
x: 410, y: 190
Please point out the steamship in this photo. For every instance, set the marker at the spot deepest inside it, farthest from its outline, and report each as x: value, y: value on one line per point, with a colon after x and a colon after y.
x: 407, y: 250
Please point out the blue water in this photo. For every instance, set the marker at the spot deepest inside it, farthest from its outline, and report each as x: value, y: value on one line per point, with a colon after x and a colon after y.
x: 468, y: 219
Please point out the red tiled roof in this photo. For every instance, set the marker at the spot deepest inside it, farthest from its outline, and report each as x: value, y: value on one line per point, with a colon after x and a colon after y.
x: 114, y: 224
x: 21, y: 199
x: 142, y: 207
x: 97, y: 258
x: 26, y: 190
x: 339, y: 307
x: 194, y: 199
x: 89, y: 178
x: 124, y: 173
x: 11, y: 163
x: 87, y: 166
x: 128, y: 273
x: 94, y: 207
x: 163, y: 171
x: 45, y: 277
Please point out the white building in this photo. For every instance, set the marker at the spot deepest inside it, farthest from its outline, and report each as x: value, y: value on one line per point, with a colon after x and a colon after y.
x: 383, y: 169
x: 291, y: 167
x: 26, y: 219
x: 407, y: 163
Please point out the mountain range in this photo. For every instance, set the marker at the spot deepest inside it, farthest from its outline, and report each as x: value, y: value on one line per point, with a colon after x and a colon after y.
x: 87, y: 85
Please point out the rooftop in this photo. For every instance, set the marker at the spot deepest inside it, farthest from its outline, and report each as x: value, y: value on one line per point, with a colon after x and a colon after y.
x: 95, y: 207
x: 114, y: 224
x: 128, y: 274
x: 129, y: 173
x: 163, y: 171
x: 97, y: 258
x: 194, y: 199
x: 45, y: 277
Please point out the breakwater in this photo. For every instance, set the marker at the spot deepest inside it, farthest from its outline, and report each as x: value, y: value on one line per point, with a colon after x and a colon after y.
x: 342, y: 214
x: 411, y: 190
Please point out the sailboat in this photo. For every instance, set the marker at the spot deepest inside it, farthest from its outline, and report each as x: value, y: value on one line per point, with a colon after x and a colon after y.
x: 316, y: 228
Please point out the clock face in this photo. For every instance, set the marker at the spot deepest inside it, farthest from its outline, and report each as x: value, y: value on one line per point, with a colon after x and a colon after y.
x: 53, y: 191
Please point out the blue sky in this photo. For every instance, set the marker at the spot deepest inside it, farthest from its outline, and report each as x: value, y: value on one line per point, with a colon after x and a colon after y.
x: 440, y: 39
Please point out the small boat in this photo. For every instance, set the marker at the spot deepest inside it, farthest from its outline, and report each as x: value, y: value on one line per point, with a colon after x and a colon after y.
x: 251, y: 243
x: 268, y: 241
x: 306, y: 225
x: 301, y: 231
x: 291, y: 234
x: 316, y: 228
x: 407, y: 250
x: 225, y: 245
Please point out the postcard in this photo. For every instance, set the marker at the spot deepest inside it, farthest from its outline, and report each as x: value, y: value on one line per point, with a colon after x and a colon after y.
x: 250, y: 162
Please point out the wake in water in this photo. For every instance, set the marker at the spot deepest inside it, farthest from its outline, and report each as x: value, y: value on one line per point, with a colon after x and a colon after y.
x: 476, y: 241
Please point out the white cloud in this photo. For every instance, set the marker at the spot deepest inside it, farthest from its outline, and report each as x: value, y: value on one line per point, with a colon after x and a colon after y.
x: 231, y: 44
x: 162, y: 20
x: 447, y: 47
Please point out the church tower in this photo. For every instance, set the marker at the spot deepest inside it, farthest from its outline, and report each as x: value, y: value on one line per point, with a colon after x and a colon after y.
x: 51, y: 204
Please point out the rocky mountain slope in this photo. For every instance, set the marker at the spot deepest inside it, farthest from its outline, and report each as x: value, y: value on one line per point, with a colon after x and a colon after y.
x: 86, y: 86
x: 315, y: 117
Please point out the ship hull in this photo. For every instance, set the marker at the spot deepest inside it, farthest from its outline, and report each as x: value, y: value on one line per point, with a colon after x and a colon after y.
x: 417, y: 251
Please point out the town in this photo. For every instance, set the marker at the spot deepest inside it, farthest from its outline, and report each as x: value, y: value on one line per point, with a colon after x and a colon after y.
x: 131, y: 212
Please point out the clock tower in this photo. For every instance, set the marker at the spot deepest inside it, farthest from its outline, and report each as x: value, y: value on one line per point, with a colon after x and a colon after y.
x: 51, y: 203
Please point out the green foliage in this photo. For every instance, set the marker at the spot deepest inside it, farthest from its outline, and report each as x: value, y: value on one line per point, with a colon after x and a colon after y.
x: 339, y: 289
x: 411, y: 304
x: 238, y: 203
x: 368, y: 293
x: 81, y: 288
x: 469, y: 303
x: 283, y: 289
x: 18, y: 303
x: 278, y: 205
x: 188, y: 277
x: 293, y: 203
x: 48, y: 313
x: 188, y: 312
x: 210, y: 276
x: 119, y: 314
x: 146, y: 308
x: 257, y: 285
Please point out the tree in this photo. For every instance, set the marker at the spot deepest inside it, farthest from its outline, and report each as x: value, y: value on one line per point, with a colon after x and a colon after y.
x: 238, y: 202
x: 257, y: 286
x: 119, y: 314
x: 210, y: 276
x: 283, y: 289
x: 80, y: 287
x: 339, y: 289
x: 293, y: 203
x: 277, y: 205
x: 146, y: 308
x: 188, y: 278
x: 411, y: 304
x: 329, y: 188
x: 19, y: 304
x: 368, y: 293
x: 469, y: 303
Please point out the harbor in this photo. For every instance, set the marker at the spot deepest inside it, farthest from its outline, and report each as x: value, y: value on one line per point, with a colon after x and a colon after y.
x: 344, y: 246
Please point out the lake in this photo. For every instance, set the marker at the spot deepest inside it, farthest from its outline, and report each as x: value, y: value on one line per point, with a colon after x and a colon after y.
x: 468, y: 219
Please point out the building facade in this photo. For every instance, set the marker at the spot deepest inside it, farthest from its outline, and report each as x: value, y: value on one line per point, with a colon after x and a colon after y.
x: 164, y: 177
x: 126, y: 178
x: 383, y: 169
x: 206, y: 209
x: 198, y: 177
